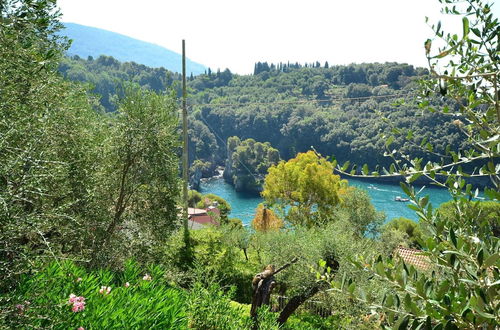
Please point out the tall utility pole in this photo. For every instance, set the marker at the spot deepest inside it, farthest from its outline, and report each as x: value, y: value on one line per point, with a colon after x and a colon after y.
x: 185, y: 151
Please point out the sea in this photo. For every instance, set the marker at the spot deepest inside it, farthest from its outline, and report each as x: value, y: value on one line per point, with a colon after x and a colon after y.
x: 382, y: 195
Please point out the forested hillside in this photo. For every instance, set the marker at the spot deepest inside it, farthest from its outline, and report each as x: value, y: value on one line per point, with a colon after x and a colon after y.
x: 90, y: 41
x: 341, y: 111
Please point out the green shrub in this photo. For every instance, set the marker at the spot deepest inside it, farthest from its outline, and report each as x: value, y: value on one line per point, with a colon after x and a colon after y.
x: 400, y: 231
x: 218, y: 251
x: 306, y: 321
x: 210, y: 308
x: 64, y: 296
x: 482, y: 211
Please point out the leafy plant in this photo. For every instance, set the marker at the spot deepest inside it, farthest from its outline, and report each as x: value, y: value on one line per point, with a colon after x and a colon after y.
x: 304, y: 188
x: 456, y: 282
x: 63, y: 296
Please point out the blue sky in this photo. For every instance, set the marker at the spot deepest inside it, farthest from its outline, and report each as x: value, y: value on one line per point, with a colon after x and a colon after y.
x: 235, y: 34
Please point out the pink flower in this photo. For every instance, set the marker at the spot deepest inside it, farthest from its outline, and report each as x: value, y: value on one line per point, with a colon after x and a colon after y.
x: 127, y: 284
x: 79, y: 279
x: 147, y: 277
x: 78, y: 306
x: 78, y: 303
x: 72, y: 298
x: 81, y: 328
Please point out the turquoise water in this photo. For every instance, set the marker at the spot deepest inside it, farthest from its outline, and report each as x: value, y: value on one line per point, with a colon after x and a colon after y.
x: 382, y: 195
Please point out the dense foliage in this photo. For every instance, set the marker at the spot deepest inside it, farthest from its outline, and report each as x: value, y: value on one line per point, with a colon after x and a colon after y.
x: 64, y: 296
x: 76, y: 183
x: 304, y: 189
x: 456, y: 284
x: 247, y: 163
x: 107, y: 75
x: 99, y: 187
x: 337, y: 109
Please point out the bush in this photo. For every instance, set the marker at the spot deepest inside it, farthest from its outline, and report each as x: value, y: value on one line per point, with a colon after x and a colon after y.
x: 482, y: 211
x: 218, y: 251
x: 401, y: 231
x: 132, y: 299
x: 210, y: 307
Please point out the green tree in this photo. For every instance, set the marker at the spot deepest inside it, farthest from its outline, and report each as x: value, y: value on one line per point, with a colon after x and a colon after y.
x: 357, y: 212
x: 194, y: 198
x: 140, y: 178
x: 304, y: 188
x: 401, y: 232
x: 458, y: 286
x: 48, y: 134
x: 248, y: 162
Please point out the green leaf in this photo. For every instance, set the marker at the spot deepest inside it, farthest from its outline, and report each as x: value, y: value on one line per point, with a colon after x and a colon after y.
x: 443, y: 288
x: 491, y: 167
x: 365, y: 169
x: 405, y: 188
x: 389, y: 141
x: 403, y: 323
x: 423, y: 201
x: 480, y: 257
x: 351, y: 288
x: 486, y: 315
x: 345, y: 166
x: 389, y: 302
x: 453, y: 237
x: 415, y: 177
x: 491, y: 260
x: 380, y: 269
x: 465, y: 23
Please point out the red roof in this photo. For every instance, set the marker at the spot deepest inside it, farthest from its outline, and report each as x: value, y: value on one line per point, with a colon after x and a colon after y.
x: 413, y: 257
x: 202, y: 216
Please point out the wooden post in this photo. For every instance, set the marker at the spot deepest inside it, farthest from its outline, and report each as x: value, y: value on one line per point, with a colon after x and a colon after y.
x: 185, y: 177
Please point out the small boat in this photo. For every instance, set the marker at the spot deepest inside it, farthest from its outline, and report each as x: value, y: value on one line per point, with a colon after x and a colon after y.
x: 401, y: 199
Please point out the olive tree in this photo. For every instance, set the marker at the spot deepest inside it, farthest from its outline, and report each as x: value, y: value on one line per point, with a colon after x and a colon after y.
x: 459, y: 283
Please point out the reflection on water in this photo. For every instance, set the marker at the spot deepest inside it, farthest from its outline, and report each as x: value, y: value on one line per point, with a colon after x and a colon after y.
x: 383, y: 197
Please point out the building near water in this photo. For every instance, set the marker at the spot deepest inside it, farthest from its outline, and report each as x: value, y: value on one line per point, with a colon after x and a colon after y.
x: 413, y: 257
x: 199, y: 218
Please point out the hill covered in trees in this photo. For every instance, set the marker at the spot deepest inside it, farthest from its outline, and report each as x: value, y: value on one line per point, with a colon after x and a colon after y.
x: 90, y: 231
x: 91, y: 41
x: 342, y: 111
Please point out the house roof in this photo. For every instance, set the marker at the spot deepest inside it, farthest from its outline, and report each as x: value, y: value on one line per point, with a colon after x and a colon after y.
x: 195, y: 211
x: 413, y: 257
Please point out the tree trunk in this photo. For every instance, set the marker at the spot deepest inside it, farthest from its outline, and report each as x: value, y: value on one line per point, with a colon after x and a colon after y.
x: 295, y: 302
x: 263, y: 285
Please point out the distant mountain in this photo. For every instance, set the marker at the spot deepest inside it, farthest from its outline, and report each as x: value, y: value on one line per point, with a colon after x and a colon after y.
x: 90, y: 41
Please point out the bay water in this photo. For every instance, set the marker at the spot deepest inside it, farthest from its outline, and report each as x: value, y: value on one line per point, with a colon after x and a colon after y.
x: 382, y: 196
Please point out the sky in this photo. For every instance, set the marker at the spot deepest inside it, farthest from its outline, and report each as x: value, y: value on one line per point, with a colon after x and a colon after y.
x: 236, y: 34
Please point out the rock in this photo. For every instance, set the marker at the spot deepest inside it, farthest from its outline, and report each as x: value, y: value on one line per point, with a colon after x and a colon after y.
x: 194, y: 179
